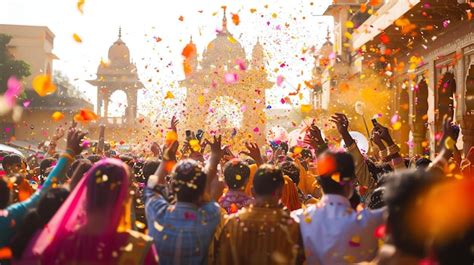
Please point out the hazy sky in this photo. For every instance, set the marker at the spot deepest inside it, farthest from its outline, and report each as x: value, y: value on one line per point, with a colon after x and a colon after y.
x: 284, y: 28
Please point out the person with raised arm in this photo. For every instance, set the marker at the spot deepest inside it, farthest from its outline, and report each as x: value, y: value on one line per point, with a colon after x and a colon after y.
x: 11, y: 216
x: 183, y: 231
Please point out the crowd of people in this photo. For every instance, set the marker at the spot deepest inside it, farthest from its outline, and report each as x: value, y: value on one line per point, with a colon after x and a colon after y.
x: 198, y: 201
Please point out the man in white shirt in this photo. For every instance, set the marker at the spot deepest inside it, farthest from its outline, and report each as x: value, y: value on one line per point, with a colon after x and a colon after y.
x: 333, y: 233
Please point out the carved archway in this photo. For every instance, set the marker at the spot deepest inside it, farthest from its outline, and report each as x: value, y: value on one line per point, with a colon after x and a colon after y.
x: 468, y: 119
x: 118, y: 103
x: 445, y: 98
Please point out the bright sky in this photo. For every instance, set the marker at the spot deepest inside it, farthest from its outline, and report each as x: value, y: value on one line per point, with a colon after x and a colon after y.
x: 143, y: 20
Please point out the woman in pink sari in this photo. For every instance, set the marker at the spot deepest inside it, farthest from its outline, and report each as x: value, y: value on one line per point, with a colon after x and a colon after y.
x: 93, y: 225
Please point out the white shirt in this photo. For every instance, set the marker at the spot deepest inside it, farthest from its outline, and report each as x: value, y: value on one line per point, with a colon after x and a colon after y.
x: 333, y: 233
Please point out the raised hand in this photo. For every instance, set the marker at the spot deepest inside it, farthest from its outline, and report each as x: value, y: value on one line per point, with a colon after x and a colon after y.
x: 450, y: 134
x: 341, y: 122
x: 174, y: 124
x: 384, y: 134
x: 59, y: 134
x: 169, y: 151
x: 342, y: 126
x: 253, y: 152
x: 315, y: 132
x: 155, y: 149
x: 216, y: 148
x: 375, y: 136
x: 74, y: 140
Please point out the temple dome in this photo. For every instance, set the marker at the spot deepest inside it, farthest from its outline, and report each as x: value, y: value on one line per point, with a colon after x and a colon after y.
x: 119, y: 54
x: 224, y: 50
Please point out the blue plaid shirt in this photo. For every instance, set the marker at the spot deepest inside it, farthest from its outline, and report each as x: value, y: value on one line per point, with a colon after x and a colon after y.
x: 182, y: 232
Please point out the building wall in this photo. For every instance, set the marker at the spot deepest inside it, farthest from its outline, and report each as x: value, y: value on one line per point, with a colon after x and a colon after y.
x: 32, y: 44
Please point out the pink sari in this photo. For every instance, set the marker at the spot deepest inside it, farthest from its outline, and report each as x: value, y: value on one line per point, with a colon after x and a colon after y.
x: 73, y: 236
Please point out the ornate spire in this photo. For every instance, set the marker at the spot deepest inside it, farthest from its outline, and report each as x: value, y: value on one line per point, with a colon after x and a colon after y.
x: 191, y: 39
x: 224, y: 19
x: 327, y: 36
x: 120, y: 32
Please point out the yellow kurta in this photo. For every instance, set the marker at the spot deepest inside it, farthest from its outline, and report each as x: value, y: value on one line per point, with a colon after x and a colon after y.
x: 260, y: 236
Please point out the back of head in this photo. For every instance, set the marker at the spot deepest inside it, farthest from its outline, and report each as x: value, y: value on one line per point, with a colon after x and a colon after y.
x: 105, y: 181
x: 76, y: 164
x: 45, y: 164
x: 422, y: 163
x: 11, y: 161
x: 267, y: 180
x: 149, y: 168
x: 94, y: 158
x: 37, y: 218
x: 336, y: 169
x: 188, y: 180
x: 236, y: 174
x: 290, y: 169
x: 402, y: 191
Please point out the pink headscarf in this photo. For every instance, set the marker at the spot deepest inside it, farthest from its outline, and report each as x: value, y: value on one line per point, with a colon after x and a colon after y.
x: 64, y: 238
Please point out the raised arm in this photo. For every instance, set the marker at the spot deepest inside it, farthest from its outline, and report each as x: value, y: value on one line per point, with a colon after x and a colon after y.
x: 15, y: 212
x: 361, y: 169
x: 213, y: 185
x: 447, y: 145
x: 315, y: 139
x: 253, y: 152
x: 54, y: 141
x: 388, y: 151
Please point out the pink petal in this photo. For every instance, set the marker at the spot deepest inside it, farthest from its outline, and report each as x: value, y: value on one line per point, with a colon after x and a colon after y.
x: 13, y: 90
x: 280, y: 79
x: 231, y: 78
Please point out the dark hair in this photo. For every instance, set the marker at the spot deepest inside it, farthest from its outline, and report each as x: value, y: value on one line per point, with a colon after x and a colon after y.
x: 149, y: 168
x: 75, y: 164
x: 267, y: 179
x: 422, y: 163
x: 236, y: 174
x: 188, y: 180
x: 457, y: 250
x: 127, y: 159
x: 403, y: 189
x: 291, y: 170
x: 249, y: 161
x: 376, y: 170
x: 37, y: 218
x: 94, y: 158
x: 9, y: 160
x: 4, y: 194
x: 344, y: 165
x: 45, y: 164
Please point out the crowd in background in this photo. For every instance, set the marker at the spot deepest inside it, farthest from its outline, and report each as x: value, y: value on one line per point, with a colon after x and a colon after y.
x: 198, y: 201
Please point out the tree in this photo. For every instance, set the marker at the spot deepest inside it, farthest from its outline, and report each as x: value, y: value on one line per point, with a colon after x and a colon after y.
x: 8, y: 65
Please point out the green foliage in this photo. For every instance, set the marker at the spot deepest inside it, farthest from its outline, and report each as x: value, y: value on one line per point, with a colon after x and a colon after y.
x: 8, y: 65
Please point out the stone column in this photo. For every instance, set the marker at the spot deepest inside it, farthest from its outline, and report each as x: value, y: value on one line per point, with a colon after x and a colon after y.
x: 419, y: 136
x: 467, y: 126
